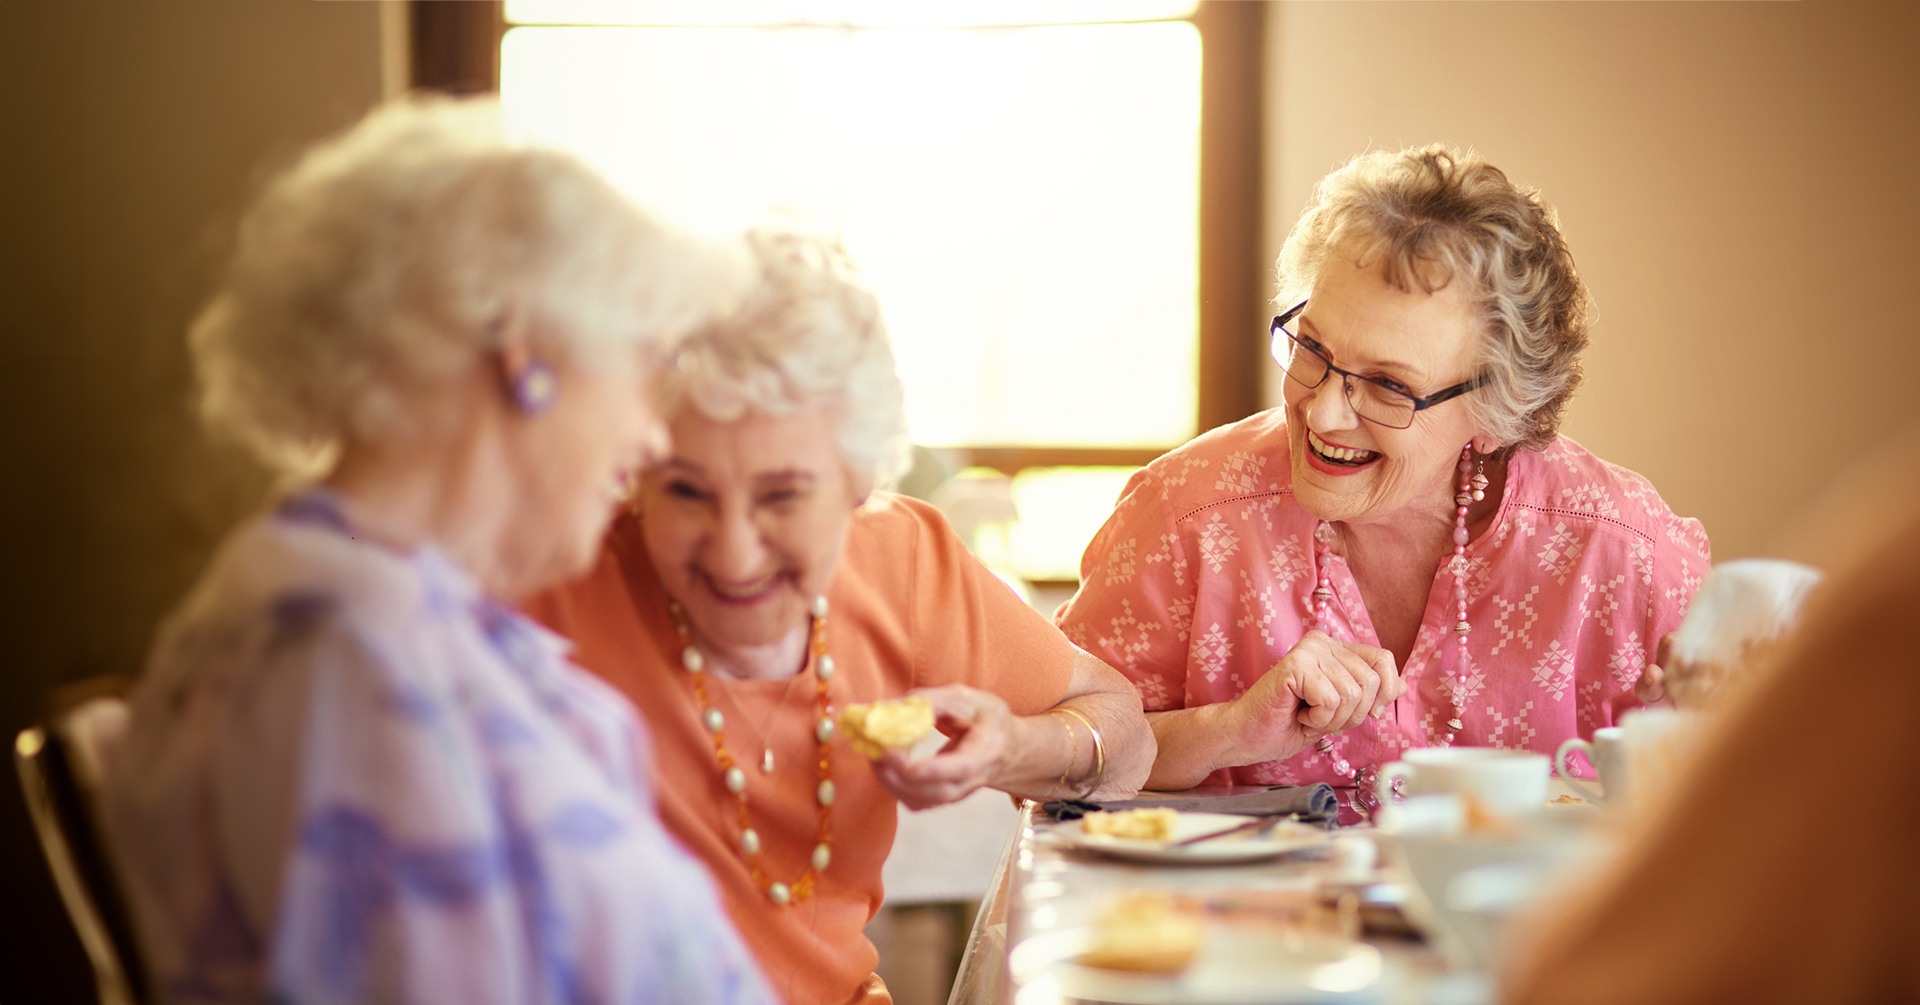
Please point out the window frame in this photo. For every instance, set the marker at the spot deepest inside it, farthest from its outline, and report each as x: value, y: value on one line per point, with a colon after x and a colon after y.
x: 455, y: 48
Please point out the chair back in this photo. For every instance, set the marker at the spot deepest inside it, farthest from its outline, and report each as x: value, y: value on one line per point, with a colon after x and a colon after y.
x: 60, y: 765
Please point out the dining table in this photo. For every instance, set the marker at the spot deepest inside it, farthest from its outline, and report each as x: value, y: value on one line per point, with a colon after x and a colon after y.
x: 1051, y: 886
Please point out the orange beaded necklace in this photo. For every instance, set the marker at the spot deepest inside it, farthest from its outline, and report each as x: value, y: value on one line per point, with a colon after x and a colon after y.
x: 735, y: 778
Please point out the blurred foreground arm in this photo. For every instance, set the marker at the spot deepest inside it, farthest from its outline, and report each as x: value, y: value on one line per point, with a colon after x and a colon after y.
x: 1725, y: 894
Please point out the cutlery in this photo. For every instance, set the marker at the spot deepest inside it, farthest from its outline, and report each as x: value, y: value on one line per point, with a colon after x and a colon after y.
x: 1258, y: 826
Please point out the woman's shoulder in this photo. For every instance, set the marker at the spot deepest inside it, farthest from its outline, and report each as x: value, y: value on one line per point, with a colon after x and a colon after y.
x: 1239, y: 461
x: 273, y: 579
x: 1566, y: 479
x: 892, y: 536
x: 899, y: 548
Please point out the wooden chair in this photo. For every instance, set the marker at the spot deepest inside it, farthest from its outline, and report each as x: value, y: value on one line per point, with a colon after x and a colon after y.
x: 59, y: 764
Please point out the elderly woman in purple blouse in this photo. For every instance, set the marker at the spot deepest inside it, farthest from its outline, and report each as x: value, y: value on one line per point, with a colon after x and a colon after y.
x: 354, y: 775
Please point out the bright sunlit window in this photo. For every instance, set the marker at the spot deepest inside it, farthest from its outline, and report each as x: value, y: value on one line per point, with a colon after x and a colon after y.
x: 1024, y: 197
x: 1018, y: 179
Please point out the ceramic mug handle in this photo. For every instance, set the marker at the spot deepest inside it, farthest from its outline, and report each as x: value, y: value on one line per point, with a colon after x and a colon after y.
x: 1384, y: 786
x: 1560, y: 767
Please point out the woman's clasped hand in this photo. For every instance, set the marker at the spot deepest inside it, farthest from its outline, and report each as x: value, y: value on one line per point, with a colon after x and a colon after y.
x: 1320, y: 687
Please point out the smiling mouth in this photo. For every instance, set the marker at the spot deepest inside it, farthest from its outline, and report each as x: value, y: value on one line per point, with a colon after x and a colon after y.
x: 1346, y: 457
x: 742, y: 593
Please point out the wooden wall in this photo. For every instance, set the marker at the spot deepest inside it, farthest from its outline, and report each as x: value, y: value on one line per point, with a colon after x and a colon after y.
x: 1737, y: 183
x: 129, y: 136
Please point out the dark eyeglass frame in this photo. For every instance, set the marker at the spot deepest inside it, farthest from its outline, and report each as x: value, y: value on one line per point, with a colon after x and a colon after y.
x: 1420, y: 403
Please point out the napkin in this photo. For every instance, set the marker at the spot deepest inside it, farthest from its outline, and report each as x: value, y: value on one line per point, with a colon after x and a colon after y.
x: 1315, y: 804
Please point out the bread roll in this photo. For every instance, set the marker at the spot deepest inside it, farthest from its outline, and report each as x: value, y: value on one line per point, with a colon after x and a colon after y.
x: 891, y: 724
x: 1145, y: 825
x: 1143, y: 932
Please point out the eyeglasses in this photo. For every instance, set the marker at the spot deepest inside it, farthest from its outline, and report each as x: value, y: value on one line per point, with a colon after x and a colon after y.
x: 1372, y: 399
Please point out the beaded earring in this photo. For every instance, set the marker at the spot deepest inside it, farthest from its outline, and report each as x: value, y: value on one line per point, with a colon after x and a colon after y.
x: 534, y: 388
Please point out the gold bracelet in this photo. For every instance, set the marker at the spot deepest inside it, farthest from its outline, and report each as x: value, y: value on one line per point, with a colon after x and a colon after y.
x: 1073, y: 750
x: 1099, y: 750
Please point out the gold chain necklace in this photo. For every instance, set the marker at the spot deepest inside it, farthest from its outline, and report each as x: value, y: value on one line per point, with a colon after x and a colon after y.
x: 735, y: 778
x: 763, y: 732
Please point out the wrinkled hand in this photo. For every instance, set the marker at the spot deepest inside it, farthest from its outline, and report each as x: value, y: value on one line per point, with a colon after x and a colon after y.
x: 979, y: 728
x: 1651, y: 688
x: 1320, y: 686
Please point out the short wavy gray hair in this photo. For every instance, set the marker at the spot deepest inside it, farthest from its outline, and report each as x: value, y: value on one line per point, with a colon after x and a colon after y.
x: 1428, y: 215
x: 386, y: 258
x: 809, y: 333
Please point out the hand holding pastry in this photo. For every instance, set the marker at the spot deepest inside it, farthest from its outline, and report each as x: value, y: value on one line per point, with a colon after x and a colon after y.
x: 877, y: 728
x: 980, y: 731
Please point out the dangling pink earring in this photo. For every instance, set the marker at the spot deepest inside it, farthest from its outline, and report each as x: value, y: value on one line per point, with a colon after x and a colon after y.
x: 1479, y: 476
x: 534, y: 388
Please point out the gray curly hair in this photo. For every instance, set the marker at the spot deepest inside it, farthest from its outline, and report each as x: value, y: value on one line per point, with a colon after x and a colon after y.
x: 1428, y: 215
x: 809, y: 333
x: 386, y: 258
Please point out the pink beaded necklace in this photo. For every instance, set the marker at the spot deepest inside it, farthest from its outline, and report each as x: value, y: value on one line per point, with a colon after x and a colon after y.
x: 1473, y: 487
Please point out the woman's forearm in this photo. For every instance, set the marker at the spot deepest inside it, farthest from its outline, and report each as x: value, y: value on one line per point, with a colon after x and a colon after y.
x: 1126, y: 741
x: 1193, y: 743
x: 1059, y: 757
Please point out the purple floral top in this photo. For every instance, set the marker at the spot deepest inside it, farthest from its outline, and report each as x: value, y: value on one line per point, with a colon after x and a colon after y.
x: 352, y: 777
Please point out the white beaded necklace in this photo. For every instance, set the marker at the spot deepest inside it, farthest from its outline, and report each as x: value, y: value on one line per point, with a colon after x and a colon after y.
x: 735, y: 778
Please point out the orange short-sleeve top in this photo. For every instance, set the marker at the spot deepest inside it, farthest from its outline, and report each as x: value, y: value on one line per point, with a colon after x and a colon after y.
x: 909, y: 607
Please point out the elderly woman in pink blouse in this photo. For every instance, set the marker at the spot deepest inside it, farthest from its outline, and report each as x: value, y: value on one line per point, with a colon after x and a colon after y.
x: 1407, y: 553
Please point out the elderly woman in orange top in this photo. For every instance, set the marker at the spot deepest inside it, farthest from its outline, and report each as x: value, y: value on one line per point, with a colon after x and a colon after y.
x: 1410, y: 521
x: 761, y: 582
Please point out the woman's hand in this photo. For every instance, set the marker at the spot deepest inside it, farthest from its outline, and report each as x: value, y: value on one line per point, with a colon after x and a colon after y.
x: 1651, y: 688
x: 982, y: 734
x: 1037, y: 756
x: 1320, y: 686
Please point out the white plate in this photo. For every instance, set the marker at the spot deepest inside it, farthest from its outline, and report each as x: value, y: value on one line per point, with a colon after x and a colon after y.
x: 1286, y: 837
x: 1235, y: 965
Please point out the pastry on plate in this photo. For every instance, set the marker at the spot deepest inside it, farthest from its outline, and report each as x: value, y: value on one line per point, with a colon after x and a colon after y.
x: 878, y: 727
x: 1145, y: 933
x: 1146, y: 825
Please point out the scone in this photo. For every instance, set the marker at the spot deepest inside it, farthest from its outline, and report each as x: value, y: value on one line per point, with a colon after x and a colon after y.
x: 891, y: 724
x: 1143, y: 932
x: 1145, y: 825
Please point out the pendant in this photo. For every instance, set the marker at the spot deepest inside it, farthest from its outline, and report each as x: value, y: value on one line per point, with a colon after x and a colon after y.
x: 766, y: 761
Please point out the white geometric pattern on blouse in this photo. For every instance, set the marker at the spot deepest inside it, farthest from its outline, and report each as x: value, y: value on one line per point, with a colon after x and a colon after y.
x: 1225, y: 576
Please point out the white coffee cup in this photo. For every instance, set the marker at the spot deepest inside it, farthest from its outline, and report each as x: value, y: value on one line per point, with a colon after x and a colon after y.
x: 1608, y: 752
x: 1507, y: 782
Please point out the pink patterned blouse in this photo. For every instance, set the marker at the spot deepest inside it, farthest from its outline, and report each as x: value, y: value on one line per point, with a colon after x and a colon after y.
x: 1203, y: 578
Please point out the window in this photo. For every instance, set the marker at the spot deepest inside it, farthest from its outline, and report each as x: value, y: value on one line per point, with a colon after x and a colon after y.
x: 1056, y: 201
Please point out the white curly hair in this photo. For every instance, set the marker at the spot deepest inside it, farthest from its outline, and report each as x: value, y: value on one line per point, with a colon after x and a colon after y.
x: 387, y: 259
x: 809, y: 333
x: 1426, y: 216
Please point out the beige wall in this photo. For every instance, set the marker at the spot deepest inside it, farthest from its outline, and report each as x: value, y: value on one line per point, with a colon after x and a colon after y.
x: 129, y: 133
x: 1738, y: 184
